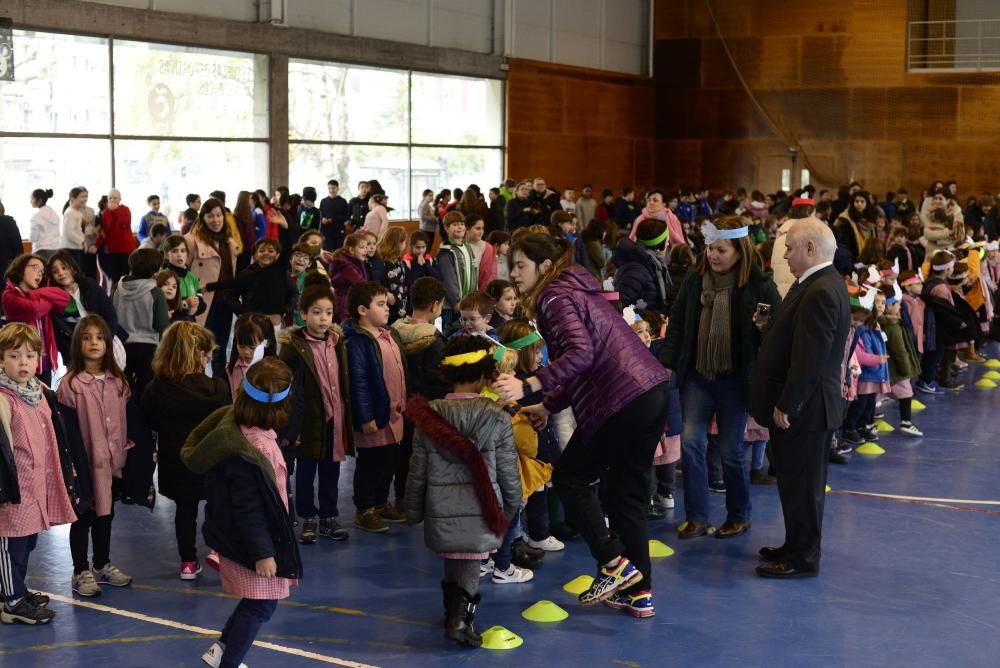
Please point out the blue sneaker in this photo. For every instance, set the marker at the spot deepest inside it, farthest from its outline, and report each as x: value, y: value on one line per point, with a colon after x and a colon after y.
x: 611, y: 579
x: 638, y: 605
x: 929, y: 388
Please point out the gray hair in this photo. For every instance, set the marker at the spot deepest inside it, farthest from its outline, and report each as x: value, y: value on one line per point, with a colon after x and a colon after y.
x: 815, y: 230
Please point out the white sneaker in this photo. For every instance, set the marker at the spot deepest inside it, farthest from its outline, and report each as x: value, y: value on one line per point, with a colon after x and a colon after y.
x: 910, y: 429
x: 550, y: 544
x: 665, y: 501
x: 213, y: 656
x: 84, y: 584
x: 485, y: 568
x: 513, y: 575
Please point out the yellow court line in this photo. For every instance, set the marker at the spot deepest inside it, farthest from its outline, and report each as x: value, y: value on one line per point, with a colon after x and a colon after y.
x: 203, y: 631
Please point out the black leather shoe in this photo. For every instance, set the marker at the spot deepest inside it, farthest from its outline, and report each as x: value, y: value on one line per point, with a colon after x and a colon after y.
x: 695, y: 530
x: 782, y: 571
x: 837, y: 458
x: 771, y: 554
x: 732, y: 529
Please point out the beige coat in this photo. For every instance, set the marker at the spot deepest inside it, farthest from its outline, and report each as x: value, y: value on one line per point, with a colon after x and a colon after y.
x: 782, y: 275
x: 206, y: 264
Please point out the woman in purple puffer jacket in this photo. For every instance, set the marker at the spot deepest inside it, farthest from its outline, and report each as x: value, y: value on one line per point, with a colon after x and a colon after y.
x: 618, y: 392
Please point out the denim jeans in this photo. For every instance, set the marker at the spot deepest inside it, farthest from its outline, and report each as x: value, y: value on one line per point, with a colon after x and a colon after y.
x: 501, y: 558
x: 860, y: 413
x: 700, y: 399
x: 756, y: 454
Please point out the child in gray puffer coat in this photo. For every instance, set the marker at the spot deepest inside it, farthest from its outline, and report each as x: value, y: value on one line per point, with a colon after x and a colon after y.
x: 464, y: 482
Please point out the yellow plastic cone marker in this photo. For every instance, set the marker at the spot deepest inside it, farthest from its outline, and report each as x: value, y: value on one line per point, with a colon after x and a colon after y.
x: 869, y: 449
x: 992, y: 375
x: 497, y: 637
x: 986, y: 383
x: 917, y: 405
x: 659, y: 549
x: 578, y: 585
x: 545, y: 611
x: 681, y: 527
x: 828, y: 488
x: 884, y: 427
x: 993, y: 364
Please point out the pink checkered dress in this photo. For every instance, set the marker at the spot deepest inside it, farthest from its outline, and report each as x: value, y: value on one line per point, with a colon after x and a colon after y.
x: 237, y: 579
x: 44, y: 501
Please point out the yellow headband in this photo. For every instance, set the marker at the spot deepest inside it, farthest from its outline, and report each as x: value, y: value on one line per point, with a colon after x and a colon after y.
x: 465, y: 358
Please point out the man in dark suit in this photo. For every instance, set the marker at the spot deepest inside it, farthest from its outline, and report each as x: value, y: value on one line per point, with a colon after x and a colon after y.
x: 799, y: 397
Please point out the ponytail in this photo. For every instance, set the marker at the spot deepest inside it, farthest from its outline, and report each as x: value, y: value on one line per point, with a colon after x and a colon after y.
x: 42, y: 196
x: 73, y: 194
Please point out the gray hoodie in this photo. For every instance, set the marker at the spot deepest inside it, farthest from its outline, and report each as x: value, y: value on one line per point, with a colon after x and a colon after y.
x: 142, y: 309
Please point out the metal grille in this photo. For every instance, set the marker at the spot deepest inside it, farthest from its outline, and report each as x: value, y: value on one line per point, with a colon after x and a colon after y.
x: 955, y: 46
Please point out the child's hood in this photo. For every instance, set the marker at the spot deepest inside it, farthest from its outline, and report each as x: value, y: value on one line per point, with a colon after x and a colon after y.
x: 416, y: 336
x: 135, y: 289
x: 288, y: 335
x: 216, y: 439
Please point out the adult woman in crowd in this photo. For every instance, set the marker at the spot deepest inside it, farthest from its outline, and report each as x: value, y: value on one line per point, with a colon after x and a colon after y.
x: 618, y: 391
x: 656, y: 208
x: 855, y: 225
x: 519, y: 207
x: 73, y: 224
x: 212, y: 255
x: 377, y: 220
x: 45, y: 237
x: 711, y: 345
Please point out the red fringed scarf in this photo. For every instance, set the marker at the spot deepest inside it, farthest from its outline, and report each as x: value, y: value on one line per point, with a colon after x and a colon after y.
x: 457, y: 444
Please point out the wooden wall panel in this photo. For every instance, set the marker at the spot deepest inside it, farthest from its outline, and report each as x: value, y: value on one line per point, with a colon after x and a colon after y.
x: 832, y: 75
x: 573, y: 125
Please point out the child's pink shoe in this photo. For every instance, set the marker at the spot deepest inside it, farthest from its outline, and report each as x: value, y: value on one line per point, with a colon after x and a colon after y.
x: 190, y: 570
x: 213, y: 560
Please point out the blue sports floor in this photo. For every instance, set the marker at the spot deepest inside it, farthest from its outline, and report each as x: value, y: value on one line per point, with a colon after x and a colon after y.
x: 904, y: 583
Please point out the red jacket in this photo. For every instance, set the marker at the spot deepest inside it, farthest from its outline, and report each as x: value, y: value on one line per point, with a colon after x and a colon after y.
x: 35, y: 308
x: 118, y: 235
x: 345, y: 271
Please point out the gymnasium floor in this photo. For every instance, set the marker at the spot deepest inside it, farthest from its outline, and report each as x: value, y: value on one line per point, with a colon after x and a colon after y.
x: 903, y: 584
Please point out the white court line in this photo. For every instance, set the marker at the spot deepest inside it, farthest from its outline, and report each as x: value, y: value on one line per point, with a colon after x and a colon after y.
x: 203, y: 631
x: 920, y: 498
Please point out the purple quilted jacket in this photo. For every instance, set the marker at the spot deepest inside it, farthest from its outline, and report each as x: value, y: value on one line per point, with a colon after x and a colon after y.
x: 597, y: 363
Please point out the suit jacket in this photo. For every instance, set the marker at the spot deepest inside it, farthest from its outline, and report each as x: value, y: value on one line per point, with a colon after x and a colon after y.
x: 799, y: 361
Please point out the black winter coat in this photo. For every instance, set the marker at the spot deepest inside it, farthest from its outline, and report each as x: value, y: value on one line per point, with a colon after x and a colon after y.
x: 259, y: 289
x: 173, y: 408
x: 518, y: 214
x: 635, y: 277
x: 95, y: 302
x: 245, y: 519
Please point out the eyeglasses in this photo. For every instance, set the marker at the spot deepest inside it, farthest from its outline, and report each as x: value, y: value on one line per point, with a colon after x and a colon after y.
x: 35, y: 267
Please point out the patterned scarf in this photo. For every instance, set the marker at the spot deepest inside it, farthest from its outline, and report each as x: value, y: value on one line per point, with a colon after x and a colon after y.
x: 31, y: 393
x: 715, y: 345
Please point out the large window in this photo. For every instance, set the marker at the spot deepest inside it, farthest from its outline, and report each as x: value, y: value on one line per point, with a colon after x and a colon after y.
x: 145, y: 118
x: 409, y: 130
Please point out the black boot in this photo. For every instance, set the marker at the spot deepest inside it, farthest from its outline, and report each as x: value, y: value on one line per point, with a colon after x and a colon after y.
x: 459, y: 613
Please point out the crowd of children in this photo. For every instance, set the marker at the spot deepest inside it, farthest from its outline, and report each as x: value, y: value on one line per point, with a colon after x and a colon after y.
x: 336, y: 352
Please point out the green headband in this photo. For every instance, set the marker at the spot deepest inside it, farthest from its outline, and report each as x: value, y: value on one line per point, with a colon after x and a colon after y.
x: 516, y: 344
x: 657, y: 241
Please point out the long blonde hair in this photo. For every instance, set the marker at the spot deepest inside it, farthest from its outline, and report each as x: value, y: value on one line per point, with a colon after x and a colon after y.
x: 180, y: 349
x: 538, y: 248
x: 748, y: 253
x: 388, y: 249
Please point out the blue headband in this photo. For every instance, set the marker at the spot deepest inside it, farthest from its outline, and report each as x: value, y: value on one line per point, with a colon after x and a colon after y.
x: 261, y: 396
